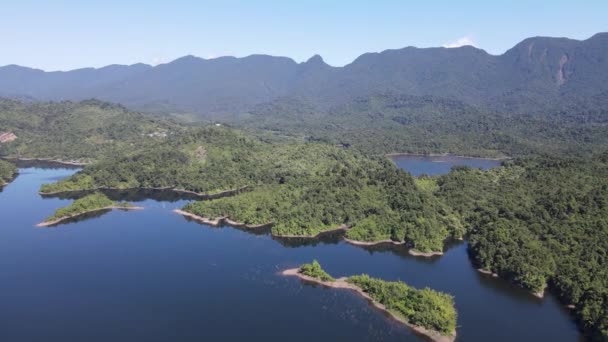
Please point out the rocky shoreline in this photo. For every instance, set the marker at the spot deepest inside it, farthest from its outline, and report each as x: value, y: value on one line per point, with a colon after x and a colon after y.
x: 411, y: 252
x: 218, y: 221
x: 316, y: 236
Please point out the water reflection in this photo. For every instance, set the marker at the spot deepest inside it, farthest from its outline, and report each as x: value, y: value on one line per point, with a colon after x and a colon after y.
x: 329, y: 238
x: 80, y: 218
x: 156, y: 276
x: 129, y: 195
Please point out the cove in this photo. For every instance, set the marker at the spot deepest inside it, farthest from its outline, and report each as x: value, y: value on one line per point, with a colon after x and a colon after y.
x: 153, y: 275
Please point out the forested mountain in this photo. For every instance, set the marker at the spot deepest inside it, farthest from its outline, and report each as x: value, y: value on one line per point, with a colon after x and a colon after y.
x: 393, y: 123
x: 83, y: 131
x: 539, y: 75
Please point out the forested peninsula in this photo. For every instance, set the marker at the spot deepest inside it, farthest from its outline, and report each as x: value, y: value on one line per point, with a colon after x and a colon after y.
x: 87, y: 204
x: 541, y: 223
x: 427, y: 312
x: 302, y: 188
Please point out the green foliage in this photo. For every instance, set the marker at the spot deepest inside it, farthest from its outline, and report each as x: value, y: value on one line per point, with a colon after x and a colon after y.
x: 302, y: 188
x: 390, y: 122
x: 539, y: 222
x: 427, y: 184
x: 340, y: 188
x: 84, y: 131
x: 90, y: 202
x: 7, y: 172
x: 427, y: 308
x: 314, y: 270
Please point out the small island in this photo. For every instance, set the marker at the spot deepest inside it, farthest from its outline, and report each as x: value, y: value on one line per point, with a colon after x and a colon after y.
x: 90, y: 203
x: 427, y: 312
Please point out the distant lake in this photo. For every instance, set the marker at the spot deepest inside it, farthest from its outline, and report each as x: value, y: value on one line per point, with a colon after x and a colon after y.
x: 438, y: 165
x: 153, y: 275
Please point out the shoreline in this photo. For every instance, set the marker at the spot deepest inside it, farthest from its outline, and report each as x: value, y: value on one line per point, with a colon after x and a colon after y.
x: 224, y: 220
x: 316, y: 236
x: 341, y: 283
x: 4, y: 183
x: 398, y: 154
x: 538, y: 294
x: 58, y: 161
x: 61, y: 219
x: 165, y: 188
x: 416, y: 253
x: 374, y: 243
x: 218, y: 221
x: 410, y: 251
x: 486, y: 272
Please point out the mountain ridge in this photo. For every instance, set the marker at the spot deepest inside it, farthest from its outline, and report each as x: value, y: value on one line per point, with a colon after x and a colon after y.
x: 538, y: 74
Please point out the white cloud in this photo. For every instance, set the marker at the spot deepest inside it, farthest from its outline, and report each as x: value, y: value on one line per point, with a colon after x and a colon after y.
x: 158, y: 60
x: 466, y: 40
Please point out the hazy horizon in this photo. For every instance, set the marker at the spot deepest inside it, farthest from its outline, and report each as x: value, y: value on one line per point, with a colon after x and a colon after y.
x: 301, y: 61
x: 97, y: 35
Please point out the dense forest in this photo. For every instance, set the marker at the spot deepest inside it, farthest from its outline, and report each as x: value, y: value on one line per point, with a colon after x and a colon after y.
x: 303, y: 188
x: 82, y: 131
x: 540, y: 222
x: 7, y: 172
x: 396, y: 123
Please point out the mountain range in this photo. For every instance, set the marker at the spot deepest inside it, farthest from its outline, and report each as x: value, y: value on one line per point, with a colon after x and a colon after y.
x: 538, y: 75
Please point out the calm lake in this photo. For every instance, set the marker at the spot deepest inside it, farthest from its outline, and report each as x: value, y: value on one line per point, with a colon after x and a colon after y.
x: 152, y: 275
x: 436, y: 165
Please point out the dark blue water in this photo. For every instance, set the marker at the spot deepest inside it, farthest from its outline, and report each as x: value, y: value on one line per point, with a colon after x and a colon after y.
x: 152, y: 275
x: 436, y: 165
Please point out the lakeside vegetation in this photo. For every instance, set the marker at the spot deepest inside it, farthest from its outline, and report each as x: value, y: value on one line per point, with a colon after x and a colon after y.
x: 541, y: 222
x: 92, y: 202
x: 7, y: 172
x: 426, y: 308
x: 302, y: 188
x: 538, y: 221
x: 315, y: 270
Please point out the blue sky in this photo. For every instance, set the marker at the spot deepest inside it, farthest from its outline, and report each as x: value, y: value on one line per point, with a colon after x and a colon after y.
x: 63, y: 35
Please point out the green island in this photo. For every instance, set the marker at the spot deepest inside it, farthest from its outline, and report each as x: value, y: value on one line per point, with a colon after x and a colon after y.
x: 90, y: 203
x: 539, y: 221
x: 428, y: 312
x: 7, y: 172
